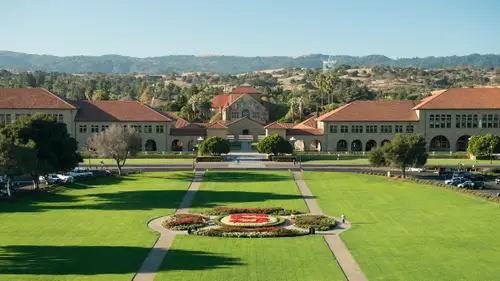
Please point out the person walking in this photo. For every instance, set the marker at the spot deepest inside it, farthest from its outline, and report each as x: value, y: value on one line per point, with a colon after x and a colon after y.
x: 343, y: 218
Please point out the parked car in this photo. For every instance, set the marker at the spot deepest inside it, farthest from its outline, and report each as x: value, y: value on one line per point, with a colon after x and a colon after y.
x: 49, y: 179
x: 472, y: 185
x: 477, y: 178
x: 83, y: 171
x: 66, y: 178
x: 444, y: 171
x: 417, y: 169
x: 463, y: 174
x: 455, y: 181
x: 497, y: 180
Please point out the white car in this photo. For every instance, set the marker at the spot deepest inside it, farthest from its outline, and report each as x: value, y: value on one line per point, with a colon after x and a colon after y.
x: 417, y: 169
x: 66, y: 178
x: 49, y: 179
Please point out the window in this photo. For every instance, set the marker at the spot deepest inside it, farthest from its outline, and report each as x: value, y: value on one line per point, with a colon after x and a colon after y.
x: 104, y: 127
x: 148, y: 129
x: 60, y: 118
x: 371, y: 129
x: 439, y: 121
x: 83, y: 128
x: 256, y: 114
x: 234, y: 115
x: 409, y: 129
x: 125, y: 128
x: 2, y: 117
x: 159, y: 129
x: 489, y: 121
x: 17, y: 116
x: 94, y: 128
x: 344, y: 129
x: 398, y: 129
x: 356, y: 129
x: 385, y: 129
x: 333, y: 129
x: 468, y: 121
x: 137, y: 128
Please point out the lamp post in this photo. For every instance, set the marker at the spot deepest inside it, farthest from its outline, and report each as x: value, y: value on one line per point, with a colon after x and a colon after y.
x: 200, y: 139
x: 292, y: 139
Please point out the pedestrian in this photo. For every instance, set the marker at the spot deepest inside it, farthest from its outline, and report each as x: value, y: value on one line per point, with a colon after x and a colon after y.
x: 343, y: 218
x: 102, y: 165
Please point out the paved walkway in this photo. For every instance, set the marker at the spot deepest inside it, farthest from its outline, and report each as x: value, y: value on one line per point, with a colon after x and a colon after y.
x: 346, y: 261
x: 153, y: 261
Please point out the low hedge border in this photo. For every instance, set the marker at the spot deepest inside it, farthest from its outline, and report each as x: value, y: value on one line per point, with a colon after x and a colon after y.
x: 218, y: 222
x: 278, y: 211
x: 185, y: 222
x: 318, y: 222
x: 480, y: 195
x: 283, y: 158
x: 209, y: 158
x: 230, y: 232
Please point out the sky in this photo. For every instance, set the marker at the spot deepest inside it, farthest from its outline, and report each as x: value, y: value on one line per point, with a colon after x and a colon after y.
x: 395, y: 28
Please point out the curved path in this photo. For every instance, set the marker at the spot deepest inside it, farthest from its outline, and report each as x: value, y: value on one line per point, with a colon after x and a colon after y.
x: 153, y: 261
x: 346, y: 261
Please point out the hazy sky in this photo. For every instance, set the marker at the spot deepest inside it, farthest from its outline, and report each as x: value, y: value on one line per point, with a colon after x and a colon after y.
x: 396, y: 28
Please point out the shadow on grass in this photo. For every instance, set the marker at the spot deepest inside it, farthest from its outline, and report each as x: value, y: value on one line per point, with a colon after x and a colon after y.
x: 90, y: 260
x: 224, y: 177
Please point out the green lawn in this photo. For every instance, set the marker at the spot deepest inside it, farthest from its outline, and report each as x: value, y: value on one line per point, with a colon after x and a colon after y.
x: 95, y: 162
x: 260, y: 259
x: 95, y: 230
x: 248, y: 189
x: 244, y: 259
x: 406, y: 231
x: 431, y: 161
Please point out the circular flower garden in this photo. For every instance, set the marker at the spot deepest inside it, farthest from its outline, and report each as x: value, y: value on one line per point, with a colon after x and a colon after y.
x: 249, y: 223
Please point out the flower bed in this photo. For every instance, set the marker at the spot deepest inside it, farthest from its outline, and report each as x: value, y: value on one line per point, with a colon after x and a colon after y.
x: 318, y: 222
x: 219, y: 211
x: 248, y: 220
x: 238, y: 232
x: 184, y: 222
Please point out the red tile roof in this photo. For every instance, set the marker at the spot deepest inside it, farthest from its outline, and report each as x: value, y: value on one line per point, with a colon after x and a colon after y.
x: 304, y: 132
x: 245, y: 89
x: 310, y: 122
x: 462, y: 98
x: 220, y: 101
x: 391, y: 110
x: 180, y: 123
x: 32, y: 98
x: 217, y: 125
x: 109, y: 111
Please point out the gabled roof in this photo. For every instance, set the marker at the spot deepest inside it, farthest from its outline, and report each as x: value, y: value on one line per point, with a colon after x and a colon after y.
x: 179, y: 122
x: 245, y: 89
x: 220, y: 101
x: 373, y: 111
x: 276, y: 125
x: 462, y: 98
x: 31, y: 98
x: 110, y: 111
x: 310, y: 122
x: 231, y: 122
x: 217, y: 125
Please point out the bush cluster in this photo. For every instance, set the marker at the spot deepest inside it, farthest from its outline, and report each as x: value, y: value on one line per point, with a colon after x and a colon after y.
x: 318, y: 222
x: 209, y: 158
x: 185, y: 221
x: 481, y: 195
x: 237, y: 232
x: 283, y: 158
x: 218, y: 222
x: 219, y: 211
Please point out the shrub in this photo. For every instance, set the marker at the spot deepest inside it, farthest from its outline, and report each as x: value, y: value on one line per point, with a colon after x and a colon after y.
x: 209, y: 158
x: 318, y: 222
x: 214, y: 146
x: 283, y: 158
x: 236, y: 232
x: 219, y: 211
x: 185, y: 221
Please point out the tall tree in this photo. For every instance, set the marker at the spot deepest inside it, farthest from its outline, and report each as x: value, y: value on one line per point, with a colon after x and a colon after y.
x: 16, y: 159
x: 214, y: 146
x: 55, y: 149
x: 274, y: 144
x: 403, y: 151
x: 116, y: 143
x: 483, y: 145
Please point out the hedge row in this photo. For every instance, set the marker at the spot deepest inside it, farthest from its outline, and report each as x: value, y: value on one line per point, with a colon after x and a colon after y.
x: 236, y: 232
x: 481, y: 195
x: 283, y: 158
x: 145, y: 155
x: 218, y: 221
x: 184, y: 222
x: 209, y: 158
x: 318, y: 222
x: 219, y: 211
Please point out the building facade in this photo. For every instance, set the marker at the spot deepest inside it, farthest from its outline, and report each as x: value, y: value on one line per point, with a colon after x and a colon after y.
x: 447, y: 119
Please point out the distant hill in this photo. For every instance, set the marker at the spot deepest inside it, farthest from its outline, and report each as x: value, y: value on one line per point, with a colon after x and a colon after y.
x: 114, y: 64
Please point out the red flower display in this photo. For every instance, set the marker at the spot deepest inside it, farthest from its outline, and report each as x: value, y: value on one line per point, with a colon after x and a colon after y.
x: 249, y: 218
